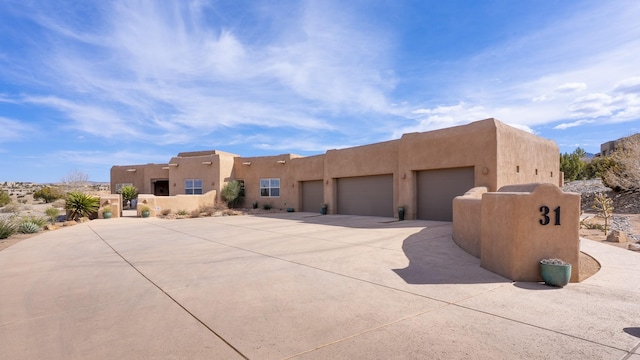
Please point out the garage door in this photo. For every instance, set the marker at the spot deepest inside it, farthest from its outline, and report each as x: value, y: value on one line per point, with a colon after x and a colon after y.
x: 366, y: 195
x: 437, y: 188
x: 312, y: 196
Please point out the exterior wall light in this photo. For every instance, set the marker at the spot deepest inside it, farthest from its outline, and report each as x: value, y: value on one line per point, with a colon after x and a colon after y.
x: 206, y: 163
x: 173, y: 164
x: 247, y: 163
x: 132, y: 170
x: 281, y: 162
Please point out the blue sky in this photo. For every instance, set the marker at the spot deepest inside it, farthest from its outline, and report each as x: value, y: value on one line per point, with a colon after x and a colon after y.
x: 85, y: 85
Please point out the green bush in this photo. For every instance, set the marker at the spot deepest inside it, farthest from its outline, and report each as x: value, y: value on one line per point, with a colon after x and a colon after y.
x: 182, y: 212
x: 28, y: 228
x: 7, y: 228
x: 48, y: 194
x: 266, y: 206
x: 231, y: 193
x: 52, y: 213
x: 81, y: 205
x: 4, y: 198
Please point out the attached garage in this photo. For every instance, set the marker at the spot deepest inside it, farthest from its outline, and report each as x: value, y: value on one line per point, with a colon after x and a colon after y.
x: 366, y: 195
x: 312, y: 195
x: 437, y: 188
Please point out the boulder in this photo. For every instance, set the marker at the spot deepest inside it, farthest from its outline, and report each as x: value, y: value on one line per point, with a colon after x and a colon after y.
x: 634, y: 247
x: 617, y: 236
x: 69, y: 223
x: 51, y: 227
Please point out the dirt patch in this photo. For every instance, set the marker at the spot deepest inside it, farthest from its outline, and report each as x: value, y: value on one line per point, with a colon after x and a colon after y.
x: 588, y: 266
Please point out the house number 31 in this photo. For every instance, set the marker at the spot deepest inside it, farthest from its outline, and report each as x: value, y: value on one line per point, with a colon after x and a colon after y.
x: 544, y: 212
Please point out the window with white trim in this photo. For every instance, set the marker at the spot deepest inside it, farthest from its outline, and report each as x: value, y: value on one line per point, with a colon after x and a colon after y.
x: 193, y: 186
x: 270, y: 187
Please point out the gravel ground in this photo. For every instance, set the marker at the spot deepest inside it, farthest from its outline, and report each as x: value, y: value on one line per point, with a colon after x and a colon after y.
x: 623, y: 203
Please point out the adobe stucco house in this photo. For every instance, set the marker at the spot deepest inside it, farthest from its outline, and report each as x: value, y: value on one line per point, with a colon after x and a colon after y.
x: 422, y: 172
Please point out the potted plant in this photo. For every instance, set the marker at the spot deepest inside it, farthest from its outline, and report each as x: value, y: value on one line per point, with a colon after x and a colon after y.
x: 555, y: 272
x: 129, y: 194
x: 145, y: 211
x: 323, y: 209
x: 400, y: 213
x: 107, y: 213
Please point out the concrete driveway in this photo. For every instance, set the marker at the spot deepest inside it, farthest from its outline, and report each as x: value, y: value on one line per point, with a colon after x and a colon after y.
x: 298, y: 285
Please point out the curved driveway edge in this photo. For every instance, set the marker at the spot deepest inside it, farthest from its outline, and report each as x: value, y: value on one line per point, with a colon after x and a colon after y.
x: 297, y: 285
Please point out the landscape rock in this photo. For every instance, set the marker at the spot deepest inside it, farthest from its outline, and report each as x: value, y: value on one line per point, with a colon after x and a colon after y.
x: 51, y: 227
x: 617, y: 236
x: 83, y: 220
x: 634, y: 247
x: 69, y: 223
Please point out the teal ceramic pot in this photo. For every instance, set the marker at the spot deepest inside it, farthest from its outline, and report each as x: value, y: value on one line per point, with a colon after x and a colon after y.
x: 107, y: 215
x: 555, y: 275
x: 145, y: 214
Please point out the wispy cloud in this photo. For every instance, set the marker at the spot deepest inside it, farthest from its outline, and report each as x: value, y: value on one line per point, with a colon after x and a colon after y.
x: 12, y: 130
x: 572, y: 124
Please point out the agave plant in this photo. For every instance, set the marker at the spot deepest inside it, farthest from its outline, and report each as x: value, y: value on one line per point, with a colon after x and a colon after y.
x: 28, y: 227
x: 81, y: 205
x: 7, y: 228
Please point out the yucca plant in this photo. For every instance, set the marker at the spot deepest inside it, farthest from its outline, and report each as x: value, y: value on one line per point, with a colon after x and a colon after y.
x: 7, y: 228
x: 28, y: 227
x: 81, y: 205
x: 128, y: 192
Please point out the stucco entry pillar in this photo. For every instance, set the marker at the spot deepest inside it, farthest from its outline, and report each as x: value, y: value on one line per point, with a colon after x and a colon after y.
x: 523, y: 224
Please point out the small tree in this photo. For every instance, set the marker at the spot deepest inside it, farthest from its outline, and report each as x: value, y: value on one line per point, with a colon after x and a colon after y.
x: 48, y: 194
x: 4, y: 198
x: 572, y: 165
x: 231, y: 193
x: 604, y: 208
x: 81, y: 205
x: 76, y: 179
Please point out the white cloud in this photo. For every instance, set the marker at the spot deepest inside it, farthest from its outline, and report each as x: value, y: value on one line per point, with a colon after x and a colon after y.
x: 630, y: 85
x: 564, y: 126
x: 571, y: 87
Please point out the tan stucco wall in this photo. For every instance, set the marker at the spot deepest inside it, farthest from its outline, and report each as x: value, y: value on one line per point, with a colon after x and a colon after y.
x: 525, y: 158
x: 114, y: 201
x: 467, y: 220
x: 141, y: 178
x: 512, y: 239
x: 263, y: 167
x: 177, y: 202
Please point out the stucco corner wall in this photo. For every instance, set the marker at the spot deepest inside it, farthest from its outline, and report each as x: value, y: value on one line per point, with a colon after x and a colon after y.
x: 521, y: 228
x: 467, y: 220
x: 112, y: 200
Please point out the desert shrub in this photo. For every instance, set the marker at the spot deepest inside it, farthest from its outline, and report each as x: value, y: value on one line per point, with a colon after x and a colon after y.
x: 195, y: 214
x: 266, y: 206
x: 7, y: 228
x: 52, y: 213
x: 5, y: 199
x: 231, y: 193
x: 604, y: 208
x: 81, y: 205
x: 597, y: 167
x: 208, y: 210
x: 48, y: 194
x: 182, y: 212
x: 28, y: 227
x: 40, y: 221
x: 11, y: 208
x: 166, y: 212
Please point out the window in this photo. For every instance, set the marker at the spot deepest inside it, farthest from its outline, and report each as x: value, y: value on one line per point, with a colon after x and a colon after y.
x: 270, y: 187
x: 193, y: 186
